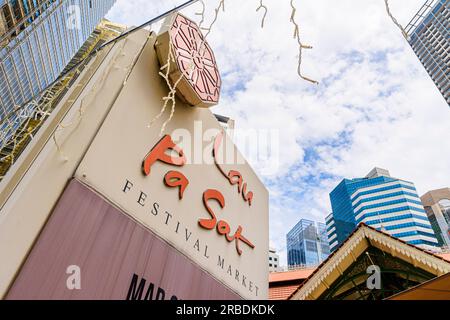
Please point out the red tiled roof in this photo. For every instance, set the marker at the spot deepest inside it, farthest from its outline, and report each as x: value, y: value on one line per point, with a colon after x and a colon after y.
x: 300, y: 274
x: 445, y: 256
x: 282, y: 292
x: 283, y: 284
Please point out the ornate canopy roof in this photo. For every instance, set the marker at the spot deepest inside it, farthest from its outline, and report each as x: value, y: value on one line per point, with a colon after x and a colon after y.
x: 343, y: 275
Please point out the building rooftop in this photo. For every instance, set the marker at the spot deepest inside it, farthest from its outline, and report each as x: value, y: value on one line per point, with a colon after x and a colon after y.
x: 378, y: 172
x: 355, y: 248
x: 445, y: 256
x: 290, y: 275
x: 283, y: 284
x: 282, y: 292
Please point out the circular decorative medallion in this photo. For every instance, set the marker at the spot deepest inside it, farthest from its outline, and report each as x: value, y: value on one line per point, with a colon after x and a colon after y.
x: 195, y: 66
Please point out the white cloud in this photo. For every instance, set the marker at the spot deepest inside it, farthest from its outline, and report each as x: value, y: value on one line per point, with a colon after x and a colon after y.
x: 375, y: 106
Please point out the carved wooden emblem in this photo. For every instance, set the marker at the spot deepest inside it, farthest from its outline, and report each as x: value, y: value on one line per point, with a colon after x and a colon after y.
x: 195, y: 70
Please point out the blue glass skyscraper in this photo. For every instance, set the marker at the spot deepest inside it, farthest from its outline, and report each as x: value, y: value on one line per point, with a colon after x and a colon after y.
x: 428, y: 35
x: 307, y: 244
x: 38, y: 38
x: 383, y: 202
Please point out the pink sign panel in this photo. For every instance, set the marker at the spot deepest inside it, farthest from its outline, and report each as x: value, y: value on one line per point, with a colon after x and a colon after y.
x: 91, y: 250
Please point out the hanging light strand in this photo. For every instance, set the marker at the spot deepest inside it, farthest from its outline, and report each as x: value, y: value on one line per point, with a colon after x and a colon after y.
x: 20, y: 125
x: 170, y: 98
x: 263, y: 7
x: 394, y: 20
x: 201, y: 14
x: 81, y: 110
x: 301, y: 46
x: 216, y: 15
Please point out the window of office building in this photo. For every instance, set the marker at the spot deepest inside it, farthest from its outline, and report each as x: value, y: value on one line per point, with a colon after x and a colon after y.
x: 445, y: 208
x: 7, y: 16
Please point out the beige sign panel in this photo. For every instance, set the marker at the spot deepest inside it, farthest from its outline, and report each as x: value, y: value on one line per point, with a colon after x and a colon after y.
x: 219, y: 219
x: 32, y: 187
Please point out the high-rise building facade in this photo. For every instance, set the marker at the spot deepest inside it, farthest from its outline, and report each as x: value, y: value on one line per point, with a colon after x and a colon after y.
x: 428, y: 35
x: 11, y: 149
x: 307, y: 244
x: 38, y: 38
x: 383, y: 202
x: 437, y: 207
x: 332, y: 232
x: 274, y: 261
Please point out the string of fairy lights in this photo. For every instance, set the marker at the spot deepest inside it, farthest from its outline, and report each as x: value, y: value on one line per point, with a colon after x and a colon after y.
x: 34, y: 107
x: 262, y: 7
x: 165, y: 69
x: 394, y: 20
x: 171, y: 96
x: 81, y: 110
x: 301, y: 45
x: 15, y: 129
x: 164, y: 72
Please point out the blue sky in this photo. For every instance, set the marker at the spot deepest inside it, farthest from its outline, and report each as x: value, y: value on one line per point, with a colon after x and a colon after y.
x: 375, y: 106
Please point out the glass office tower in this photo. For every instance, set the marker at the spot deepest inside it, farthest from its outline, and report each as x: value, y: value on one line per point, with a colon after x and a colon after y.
x: 428, y: 35
x: 383, y: 202
x: 307, y: 244
x: 38, y: 38
x: 12, y: 148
